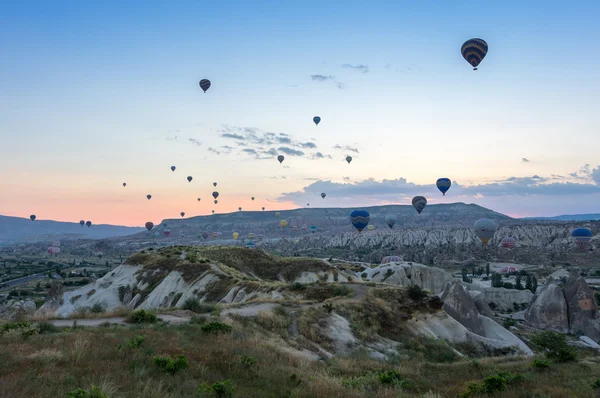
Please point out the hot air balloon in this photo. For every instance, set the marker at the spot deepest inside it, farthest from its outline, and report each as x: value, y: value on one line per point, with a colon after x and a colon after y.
x: 215, y: 194
x: 189, y: 178
x: 32, y: 217
x: 313, y: 228
x: 348, y: 159
x: 323, y: 194
x: 213, y: 212
x: 509, y: 242
x: 204, y: 235
x: 173, y: 168
x: 198, y: 199
x: 360, y: 219
x: 204, y: 84
x: 391, y: 259
x: 167, y: 232
x: 81, y: 222
x: 419, y: 203
x: 88, y: 223
x: 149, y: 197
x: 235, y: 235
x: 371, y: 228
x: 283, y: 223
x: 251, y: 235
x: 54, y: 250
x: 263, y: 208
x: 390, y: 220
x: 316, y: 119
x: 124, y: 184
x: 149, y: 225
x: 252, y: 198
x: 239, y: 208
x: 474, y: 51
x: 581, y: 237
x: 443, y: 184
x: 277, y: 214
x: 214, y: 184
x: 308, y: 204
x: 485, y: 229
x: 216, y: 201
x: 280, y: 158
x: 182, y: 213
x: 164, y: 225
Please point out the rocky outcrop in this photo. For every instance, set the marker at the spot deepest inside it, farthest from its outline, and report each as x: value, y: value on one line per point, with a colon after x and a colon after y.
x: 408, y: 274
x: 572, y: 308
x: 12, y: 310
x: 460, y: 306
x: 504, y: 299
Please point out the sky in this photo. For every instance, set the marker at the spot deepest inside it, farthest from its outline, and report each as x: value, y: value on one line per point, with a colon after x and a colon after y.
x: 94, y: 94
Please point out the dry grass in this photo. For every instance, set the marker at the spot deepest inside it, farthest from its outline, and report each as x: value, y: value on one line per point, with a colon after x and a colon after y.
x: 53, y: 364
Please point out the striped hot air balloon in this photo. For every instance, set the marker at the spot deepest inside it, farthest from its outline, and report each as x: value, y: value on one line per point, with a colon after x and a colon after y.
x: 443, y: 184
x: 509, y: 242
x: 474, y: 51
x: 204, y: 84
x: 360, y: 219
x: 391, y: 259
x: 581, y: 237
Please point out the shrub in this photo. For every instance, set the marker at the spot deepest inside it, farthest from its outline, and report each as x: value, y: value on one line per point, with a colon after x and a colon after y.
x: 142, y: 316
x: 46, y: 328
x: 97, y: 308
x: 297, y: 286
x: 215, y: 327
x: 170, y: 365
x: 416, y: 293
x: 541, y: 363
x: 24, y: 329
x: 248, y: 361
x: 394, y: 378
x: 220, y: 389
x: 508, y: 323
x: 193, y: 304
x: 554, y: 346
x: 596, y: 383
x: 93, y: 392
x: 493, y: 383
x: 508, y: 285
x: 136, y: 342
x: 328, y: 307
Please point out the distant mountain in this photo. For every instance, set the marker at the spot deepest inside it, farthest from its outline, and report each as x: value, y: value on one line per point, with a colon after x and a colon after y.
x: 568, y: 217
x: 16, y: 230
x: 331, y: 220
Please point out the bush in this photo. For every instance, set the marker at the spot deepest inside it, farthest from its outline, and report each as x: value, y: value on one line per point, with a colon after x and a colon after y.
x: 508, y: 285
x: 46, y: 328
x: 508, y: 323
x: 554, y: 346
x: 416, y: 293
x: 493, y: 383
x: 24, y: 329
x: 97, y: 308
x: 215, y: 327
x: 170, y: 365
x: 221, y: 389
x: 248, y: 361
x: 596, y: 383
x: 93, y: 392
x: 196, y: 306
x: 136, y: 342
x: 297, y: 286
x: 541, y: 363
x: 142, y: 316
x: 394, y: 378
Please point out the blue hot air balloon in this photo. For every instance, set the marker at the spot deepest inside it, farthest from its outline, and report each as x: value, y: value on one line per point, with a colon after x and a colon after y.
x: 581, y: 237
x: 360, y: 219
x: 316, y: 119
x: 313, y: 228
x: 443, y: 184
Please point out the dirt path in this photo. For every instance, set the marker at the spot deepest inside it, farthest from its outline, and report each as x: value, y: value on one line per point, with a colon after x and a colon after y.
x: 117, y: 320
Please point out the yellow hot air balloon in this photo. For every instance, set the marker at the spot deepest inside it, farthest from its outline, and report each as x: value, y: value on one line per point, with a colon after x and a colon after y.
x: 371, y: 227
x: 235, y: 235
x: 283, y: 223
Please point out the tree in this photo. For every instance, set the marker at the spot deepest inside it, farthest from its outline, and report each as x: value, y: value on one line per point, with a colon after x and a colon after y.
x: 534, y: 284
x: 497, y: 280
x: 518, y: 284
x: 487, y: 269
x: 528, y: 283
x: 38, y: 286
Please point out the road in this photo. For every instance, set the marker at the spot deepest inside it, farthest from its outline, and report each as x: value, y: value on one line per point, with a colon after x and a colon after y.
x: 24, y: 280
x: 96, y: 322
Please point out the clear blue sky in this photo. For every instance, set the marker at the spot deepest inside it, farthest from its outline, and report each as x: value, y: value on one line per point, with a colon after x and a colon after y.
x: 97, y: 93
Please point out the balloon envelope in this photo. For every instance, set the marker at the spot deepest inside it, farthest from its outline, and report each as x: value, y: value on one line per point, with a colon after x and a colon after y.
x: 390, y: 220
x: 508, y: 242
x: 215, y: 194
x: 149, y: 197
x: 283, y: 223
x: 32, y: 217
x: 214, y: 184
x: 443, y: 184
x: 204, y: 235
x: 316, y: 119
x: 474, y: 51
x: 204, y: 84
x: 124, y: 184
x: 149, y: 225
x: 189, y: 178
x: 348, y: 159
x: 419, y: 203
x: 360, y: 219
x: 182, y: 213
x: 323, y: 194
x: 485, y: 229
x: 581, y: 237
x: 173, y: 168
x: 88, y: 223
x: 280, y: 158
x: 235, y: 235
x: 391, y: 259
x: 81, y: 222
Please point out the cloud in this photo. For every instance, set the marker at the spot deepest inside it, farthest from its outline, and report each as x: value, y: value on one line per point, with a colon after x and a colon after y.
x: 346, y: 148
x: 321, y: 78
x: 359, y: 68
x: 213, y: 150
x: 233, y: 136
x: 319, y: 155
x: 308, y: 145
x: 392, y: 191
x: 250, y: 151
x: 195, y: 141
x: 290, y: 151
x: 525, y: 160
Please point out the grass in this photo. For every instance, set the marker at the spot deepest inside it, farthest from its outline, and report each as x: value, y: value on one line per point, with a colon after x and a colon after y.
x: 52, y: 365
